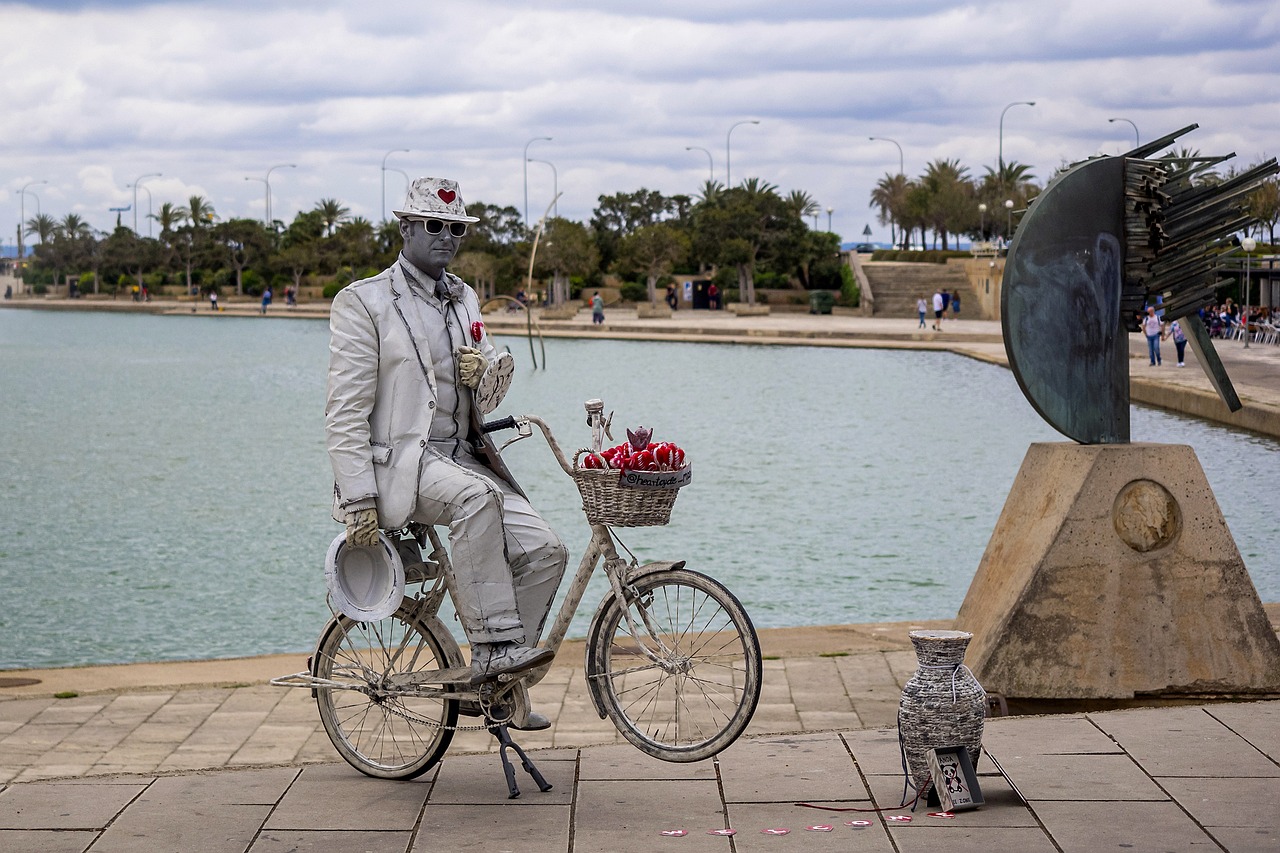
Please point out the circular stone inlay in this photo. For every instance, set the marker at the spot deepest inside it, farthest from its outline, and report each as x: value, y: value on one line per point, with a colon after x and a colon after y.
x: 1146, y: 516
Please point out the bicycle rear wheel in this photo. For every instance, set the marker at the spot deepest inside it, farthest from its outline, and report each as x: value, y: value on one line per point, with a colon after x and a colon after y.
x: 378, y: 726
x: 699, y: 694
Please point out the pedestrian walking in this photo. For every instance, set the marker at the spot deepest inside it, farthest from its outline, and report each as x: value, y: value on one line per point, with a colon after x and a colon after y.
x: 1153, y: 328
x: 213, y: 299
x: 266, y: 299
x: 921, y: 307
x: 1179, y: 341
x: 597, y: 309
x: 937, y: 311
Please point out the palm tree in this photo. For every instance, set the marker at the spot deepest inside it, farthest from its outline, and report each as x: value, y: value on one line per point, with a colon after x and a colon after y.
x: 169, y: 217
x: 73, y: 227
x: 890, y: 198
x: 802, y: 203
x: 200, y: 211
x: 951, y: 195
x: 43, y: 225
x: 333, y: 213
x: 710, y: 192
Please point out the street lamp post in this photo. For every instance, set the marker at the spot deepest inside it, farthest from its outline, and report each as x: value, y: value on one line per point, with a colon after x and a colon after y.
x: 139, y: 180
x: 22, y: 212
x: 1008, y: 206
x: 383, y: 175
x: 901, y: 163
x: 148, y: 192
x: 830, y: 210
x: 982, y: 219
x: 711, y: 166
x: 1248, y: 244
x: 902, y: 170
x: 1136, y: 142
x: 525, y: 166
x: 555, y: 185
x: 266, y: 202
x: 270, y: 212
x: 1002, y: 112
x: 728, y: 177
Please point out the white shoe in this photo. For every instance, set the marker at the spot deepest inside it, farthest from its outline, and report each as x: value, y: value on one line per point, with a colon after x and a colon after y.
x: 489, y: 660
x: 1180, y: 364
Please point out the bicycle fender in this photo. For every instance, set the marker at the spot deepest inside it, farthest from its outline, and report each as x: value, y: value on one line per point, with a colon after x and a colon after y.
x: 590, y: 668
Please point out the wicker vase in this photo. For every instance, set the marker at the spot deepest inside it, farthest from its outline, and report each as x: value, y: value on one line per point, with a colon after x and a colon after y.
x: 942, y: 704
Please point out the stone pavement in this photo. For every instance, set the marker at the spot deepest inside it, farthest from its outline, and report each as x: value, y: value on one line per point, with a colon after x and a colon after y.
x: 1170, y: 779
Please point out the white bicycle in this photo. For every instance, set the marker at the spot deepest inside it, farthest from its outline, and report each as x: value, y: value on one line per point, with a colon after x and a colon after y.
x: 671, y: 655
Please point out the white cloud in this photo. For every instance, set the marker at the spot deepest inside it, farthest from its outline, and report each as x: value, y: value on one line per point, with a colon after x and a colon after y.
x: 208, y: 93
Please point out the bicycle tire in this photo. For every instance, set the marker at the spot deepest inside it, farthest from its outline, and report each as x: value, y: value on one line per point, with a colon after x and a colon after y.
x: 382, y: 732
x: 701, y: 698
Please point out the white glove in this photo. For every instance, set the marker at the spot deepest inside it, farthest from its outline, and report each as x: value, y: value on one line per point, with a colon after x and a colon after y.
x: 362, y: 527
x: 471, y: 366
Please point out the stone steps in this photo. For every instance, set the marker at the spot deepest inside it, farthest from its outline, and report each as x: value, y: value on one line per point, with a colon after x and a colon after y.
x: 897, y: 286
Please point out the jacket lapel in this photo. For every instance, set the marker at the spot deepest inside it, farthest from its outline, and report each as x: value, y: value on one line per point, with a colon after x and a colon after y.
x: 411, y: 317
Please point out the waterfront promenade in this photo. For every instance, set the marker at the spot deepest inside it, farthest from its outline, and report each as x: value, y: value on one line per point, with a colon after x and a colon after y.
x: 207, y: 756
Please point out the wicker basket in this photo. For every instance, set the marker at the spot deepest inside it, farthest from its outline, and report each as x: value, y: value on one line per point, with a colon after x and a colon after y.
x: 606, y: 501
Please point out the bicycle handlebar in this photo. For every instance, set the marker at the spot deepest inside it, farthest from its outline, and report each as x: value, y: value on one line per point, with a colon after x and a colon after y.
x: 501, y: 423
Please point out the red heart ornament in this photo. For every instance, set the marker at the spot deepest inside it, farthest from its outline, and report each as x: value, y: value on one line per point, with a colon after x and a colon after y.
x: 446, y: 196
x: 477, y: 331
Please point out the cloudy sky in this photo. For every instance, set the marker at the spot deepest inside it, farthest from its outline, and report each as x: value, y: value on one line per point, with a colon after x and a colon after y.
x: 97, y: 94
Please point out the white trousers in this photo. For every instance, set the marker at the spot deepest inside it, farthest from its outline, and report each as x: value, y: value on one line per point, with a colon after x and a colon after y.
x: 507, y: 563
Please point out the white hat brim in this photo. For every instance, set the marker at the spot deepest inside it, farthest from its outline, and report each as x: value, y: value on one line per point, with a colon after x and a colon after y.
x: 366, y: 584
x: 447, y: 217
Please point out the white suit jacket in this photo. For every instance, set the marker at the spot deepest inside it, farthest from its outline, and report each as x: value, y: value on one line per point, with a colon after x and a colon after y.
x: 382, y: 395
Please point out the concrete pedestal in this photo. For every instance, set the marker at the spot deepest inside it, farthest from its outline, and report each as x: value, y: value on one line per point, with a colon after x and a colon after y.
x: 1112, y: 574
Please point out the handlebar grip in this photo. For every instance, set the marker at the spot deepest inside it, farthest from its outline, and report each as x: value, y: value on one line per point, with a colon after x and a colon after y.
x: 508, y: 422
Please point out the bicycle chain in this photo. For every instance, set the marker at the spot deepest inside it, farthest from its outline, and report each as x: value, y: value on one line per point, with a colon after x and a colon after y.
x: 396, y: 709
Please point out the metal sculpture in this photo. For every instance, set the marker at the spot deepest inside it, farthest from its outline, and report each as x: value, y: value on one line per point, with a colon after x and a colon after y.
x: 1107, y: 237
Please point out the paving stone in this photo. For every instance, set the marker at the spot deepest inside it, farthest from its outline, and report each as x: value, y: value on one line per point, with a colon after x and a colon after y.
x: 478, y: 780
x: 876, y: 751
x: 751, y: 820
x: 207, y: 828
x: 18, y: 712
x: 818, y: 721
x: 338, y: 797
x: 49, y: 841
x: 1246, y: 838
x: 73, y: 710
x: 259, y: 787
x: 876, y: 714
x: 331, y: 841
x: 1030, y: 736
x: 1228, y: 802
x: 930, y: 838
x: 866, y: 670
x: 493, y: 829
x: 627, y: 762
x: 790, y: 769
x: 1256, y: 722
x: 831, y: 700
x: 1079, y: 777
x: 625, y: 816
x: 53, y: 770
x: 1002, y: 808
x: 1184, y: 741
x: 51, y: 805
x: 1088, y: 827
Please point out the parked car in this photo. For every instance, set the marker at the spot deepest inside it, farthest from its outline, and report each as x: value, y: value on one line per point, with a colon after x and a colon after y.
x: 865, y: 248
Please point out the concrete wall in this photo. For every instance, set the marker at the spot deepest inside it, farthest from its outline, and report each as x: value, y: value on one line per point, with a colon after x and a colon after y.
x: 985, y: 275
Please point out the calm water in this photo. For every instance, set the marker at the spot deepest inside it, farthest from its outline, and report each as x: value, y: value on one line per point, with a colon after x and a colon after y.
x: 164, y: 490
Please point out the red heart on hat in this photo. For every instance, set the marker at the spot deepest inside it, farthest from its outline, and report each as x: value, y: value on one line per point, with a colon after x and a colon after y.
x: 446, y: 196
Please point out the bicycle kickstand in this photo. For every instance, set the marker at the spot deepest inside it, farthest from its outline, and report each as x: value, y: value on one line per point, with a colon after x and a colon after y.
x: 500, y: 732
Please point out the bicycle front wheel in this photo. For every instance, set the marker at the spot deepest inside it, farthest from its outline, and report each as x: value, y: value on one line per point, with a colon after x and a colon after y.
x: 685, y: 685
x: 376, y: 721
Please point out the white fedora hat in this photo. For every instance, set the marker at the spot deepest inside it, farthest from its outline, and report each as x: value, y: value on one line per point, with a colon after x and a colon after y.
x: 366, y: 584
x: 434, y: 198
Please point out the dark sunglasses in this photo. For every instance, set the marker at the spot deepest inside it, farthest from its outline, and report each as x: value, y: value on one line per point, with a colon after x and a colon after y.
x: 435, y: 226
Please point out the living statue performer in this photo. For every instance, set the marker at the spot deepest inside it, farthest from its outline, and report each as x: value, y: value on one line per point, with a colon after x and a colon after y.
x: 407, y: 351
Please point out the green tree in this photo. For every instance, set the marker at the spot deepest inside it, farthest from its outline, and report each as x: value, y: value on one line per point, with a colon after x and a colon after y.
x: 42, y: 225
x: 619, y: 215
x: 890, y: 200
x: 802, y: 204
x: 1014, y: 183
x: 653, y: 251
x: 566, y: 249
x: 478, y: 269
x: 1264, y: 206
x: 744, y: 225
x: 951, y: 206
x: 200, y: 212
x: 332, y: 213
x: 242, y: 242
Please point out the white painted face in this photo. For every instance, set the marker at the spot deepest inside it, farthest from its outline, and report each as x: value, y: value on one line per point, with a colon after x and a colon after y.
x: 430, y: 253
